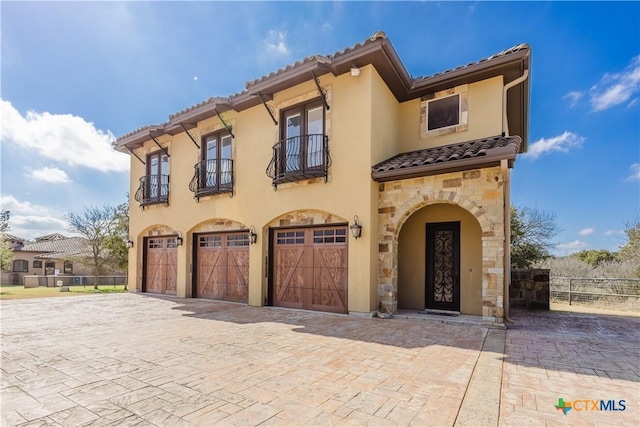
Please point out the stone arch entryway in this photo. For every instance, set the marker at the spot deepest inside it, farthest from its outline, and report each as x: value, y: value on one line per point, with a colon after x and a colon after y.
x: 477, y: 203
x: 450, y: 279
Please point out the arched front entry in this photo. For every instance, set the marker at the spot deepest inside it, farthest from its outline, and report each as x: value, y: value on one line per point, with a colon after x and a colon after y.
x: 440, y: 260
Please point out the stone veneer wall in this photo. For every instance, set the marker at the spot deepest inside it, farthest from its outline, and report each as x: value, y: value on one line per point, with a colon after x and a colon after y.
x: 479, y: 191
x: 529, y: 289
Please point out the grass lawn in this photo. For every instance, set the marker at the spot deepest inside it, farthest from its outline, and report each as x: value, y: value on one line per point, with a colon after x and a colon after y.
x: 19, y: 292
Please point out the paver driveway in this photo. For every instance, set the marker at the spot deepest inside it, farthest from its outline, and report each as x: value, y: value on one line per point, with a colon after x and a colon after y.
x: 129, y: 359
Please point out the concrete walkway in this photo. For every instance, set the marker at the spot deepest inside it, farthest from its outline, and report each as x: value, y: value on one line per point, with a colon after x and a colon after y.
x: 130, y: 359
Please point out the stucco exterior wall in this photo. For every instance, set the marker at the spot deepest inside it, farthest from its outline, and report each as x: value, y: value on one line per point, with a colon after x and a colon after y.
x: 484, y: 118
x: 480, y: 192
x: 347, y: 192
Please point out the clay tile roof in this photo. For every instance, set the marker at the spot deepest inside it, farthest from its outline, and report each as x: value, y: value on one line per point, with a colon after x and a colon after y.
x: 58, y: 248
x: 466, y: 155
x: 514, y: 49
x: 7, y: 236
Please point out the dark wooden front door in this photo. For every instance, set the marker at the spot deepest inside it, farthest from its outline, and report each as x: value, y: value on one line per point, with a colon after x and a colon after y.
x: 161, y: 263
x: 222, y: 269
x: 443, y: 266
x: 310, y: 268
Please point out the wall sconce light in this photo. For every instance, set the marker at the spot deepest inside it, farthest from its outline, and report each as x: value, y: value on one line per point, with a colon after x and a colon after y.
x: 130, y: 243
x: 253, y: 237
x: 356, y: 228
x: 179, y: 239
x: 355, y: 71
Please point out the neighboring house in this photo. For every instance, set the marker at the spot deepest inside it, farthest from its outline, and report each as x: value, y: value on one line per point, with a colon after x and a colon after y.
x: 293, y: 161
x: 53, y: 254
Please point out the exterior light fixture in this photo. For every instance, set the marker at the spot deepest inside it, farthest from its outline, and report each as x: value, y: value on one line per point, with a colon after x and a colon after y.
x: 356, y: 228
x: 130, y: 243
x: 253, y: 237
x: 355, y: 71
x: 179, y: 239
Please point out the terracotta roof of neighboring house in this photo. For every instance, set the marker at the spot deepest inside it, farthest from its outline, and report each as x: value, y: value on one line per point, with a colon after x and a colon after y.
x: 58, y: 248
x: 377, y: 51
x: 7, y: 236
x: 449, y: 158
x: 52, y: 236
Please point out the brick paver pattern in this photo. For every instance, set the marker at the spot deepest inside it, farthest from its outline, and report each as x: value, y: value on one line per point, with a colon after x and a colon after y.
x: 575, y: 356
x: 130, y: 359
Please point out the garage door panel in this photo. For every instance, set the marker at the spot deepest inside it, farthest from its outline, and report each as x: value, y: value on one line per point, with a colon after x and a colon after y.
x: 161, y: 265
x: 223, y: 267
x: 289, y: 277
x: 237, y: 288
x: 210, y: 281
x: 311, y: 268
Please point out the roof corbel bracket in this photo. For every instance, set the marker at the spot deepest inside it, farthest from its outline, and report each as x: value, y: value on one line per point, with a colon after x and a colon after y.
x: 190, y: 136
x: 134, y: 153
x: 321, y: 91
x: 161, y: 147
x: 269, y: 109
x: 226, y: 125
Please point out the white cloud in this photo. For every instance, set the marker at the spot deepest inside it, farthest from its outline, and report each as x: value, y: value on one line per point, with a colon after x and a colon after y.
x: 63, y: 137
x: 52, y: 175
x: 561, y: 143
x: 12, y: 204
x: 326, y: 27
x: 276, y: 42
x: 616, y: 88
x: 613, y: 232
x: 574, y: 96
x: 28, y: 220
x: 635, y: 172
x: 586, y: 231
x: 570, y: 247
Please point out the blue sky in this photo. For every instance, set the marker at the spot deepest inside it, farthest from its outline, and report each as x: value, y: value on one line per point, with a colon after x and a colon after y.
x: 75, y: 75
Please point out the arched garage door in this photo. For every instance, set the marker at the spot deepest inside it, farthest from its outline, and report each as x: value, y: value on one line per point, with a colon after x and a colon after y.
x: 310, y: 268
x: 161, y: 260
x: 222, y: 266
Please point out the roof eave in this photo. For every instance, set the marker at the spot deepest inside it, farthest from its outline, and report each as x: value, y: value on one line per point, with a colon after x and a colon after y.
x: 137, y: 139
x: 492, y: 158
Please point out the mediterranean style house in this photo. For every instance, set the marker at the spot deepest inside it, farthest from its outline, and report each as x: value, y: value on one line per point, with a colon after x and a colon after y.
x: 339, y: 183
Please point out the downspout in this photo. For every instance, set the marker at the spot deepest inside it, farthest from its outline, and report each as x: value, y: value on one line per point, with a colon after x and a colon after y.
x: 504, y: 164
x: 507, y: 199
x: 523, y: 77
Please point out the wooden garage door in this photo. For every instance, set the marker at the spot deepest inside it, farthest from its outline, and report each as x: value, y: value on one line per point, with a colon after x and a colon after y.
x: 161, y: 265
x: 223, y: 266
x: 310, y: 268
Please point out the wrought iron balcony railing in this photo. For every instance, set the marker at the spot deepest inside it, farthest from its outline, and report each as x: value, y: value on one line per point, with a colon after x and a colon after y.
x: 153, y: 189
x: 211, y: 177
x: 298, y: 158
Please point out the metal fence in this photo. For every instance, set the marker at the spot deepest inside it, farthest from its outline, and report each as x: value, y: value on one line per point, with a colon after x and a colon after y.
x: 619, y: 294
x: 52, y: 281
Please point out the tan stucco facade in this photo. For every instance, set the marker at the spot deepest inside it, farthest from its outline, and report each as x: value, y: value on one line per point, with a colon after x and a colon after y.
x: 365, y: 124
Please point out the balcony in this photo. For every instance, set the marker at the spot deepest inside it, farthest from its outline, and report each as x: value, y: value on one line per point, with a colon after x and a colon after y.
x: 212, y: 177
x: 154, y: 189
x: 299, y: 158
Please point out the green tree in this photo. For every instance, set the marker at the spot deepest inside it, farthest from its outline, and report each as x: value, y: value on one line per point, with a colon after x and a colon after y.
x: 630, y: 251
x: 595, y: 257
x: 531, y: 234
x: 96, y: 225
x: 6, y: 255
x: 116, y: 242
x: 4, y: 220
